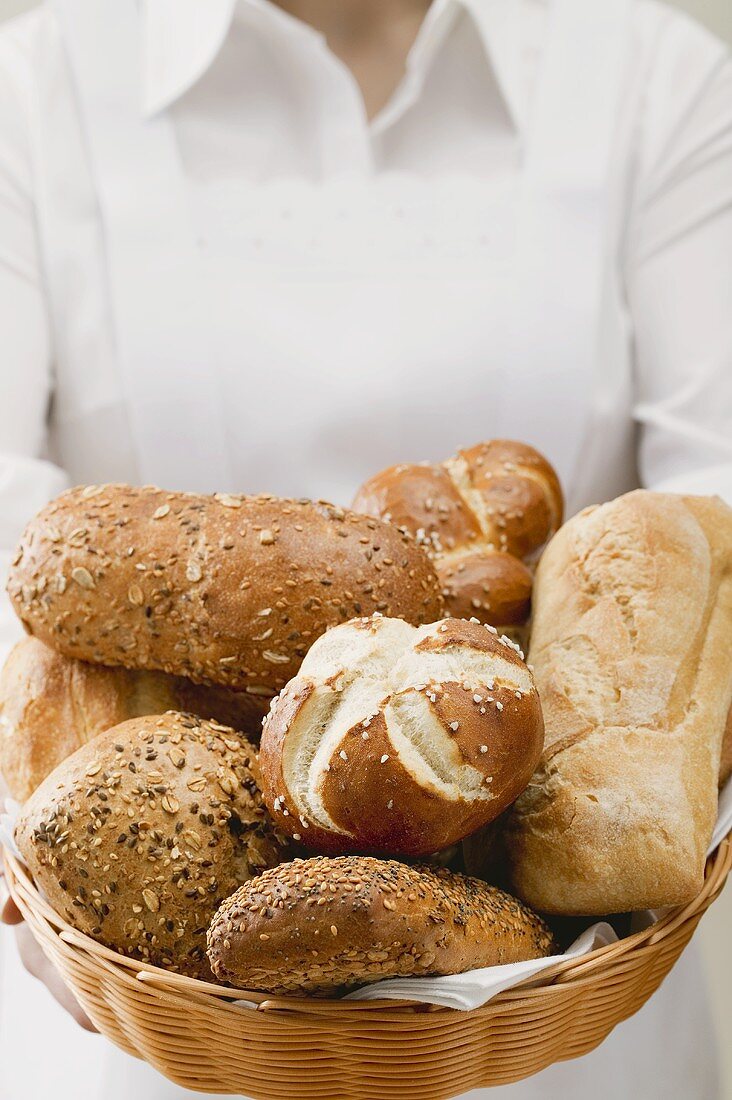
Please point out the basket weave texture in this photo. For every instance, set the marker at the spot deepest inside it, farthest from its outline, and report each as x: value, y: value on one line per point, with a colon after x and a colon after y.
x: 287, y: 1048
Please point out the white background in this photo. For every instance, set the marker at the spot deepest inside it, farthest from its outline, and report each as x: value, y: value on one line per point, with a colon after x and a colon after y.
x: 714, y: 934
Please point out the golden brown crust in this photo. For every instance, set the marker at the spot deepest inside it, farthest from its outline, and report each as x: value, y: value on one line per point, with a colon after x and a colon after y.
x: 632, y: 651
x: 481, y: 515
x: 400, y: 740
x: 495, y: 587
x: 519, y: 490
x: 222, y: 590
x: 725, y: 763
x: 50, y: 705
x: 140, y: 834
x: 321, y: 925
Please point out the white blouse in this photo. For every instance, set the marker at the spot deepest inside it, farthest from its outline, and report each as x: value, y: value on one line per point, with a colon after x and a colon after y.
x: 359, y: 255
x: 304, y: 193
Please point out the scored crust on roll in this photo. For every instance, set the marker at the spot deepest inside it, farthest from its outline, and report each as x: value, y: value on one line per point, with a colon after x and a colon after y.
x: 222, y: 589
x: 399, y: 739
x: 632, y: 651
x: 321, y: 925
x: 482, y: 515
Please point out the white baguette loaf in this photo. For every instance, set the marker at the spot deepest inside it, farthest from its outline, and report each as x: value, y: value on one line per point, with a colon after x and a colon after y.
x: 632, y: 656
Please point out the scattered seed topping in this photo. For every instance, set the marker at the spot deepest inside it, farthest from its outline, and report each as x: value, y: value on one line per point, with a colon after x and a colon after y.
x: 128, y: 853
x: 82, y: 577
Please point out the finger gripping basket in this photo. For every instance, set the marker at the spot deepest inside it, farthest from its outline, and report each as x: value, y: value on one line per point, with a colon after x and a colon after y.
x: 287, y: 1048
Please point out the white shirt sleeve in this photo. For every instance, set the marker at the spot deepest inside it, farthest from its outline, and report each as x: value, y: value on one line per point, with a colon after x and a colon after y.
x: 27, y: 481
x: 679, y: 274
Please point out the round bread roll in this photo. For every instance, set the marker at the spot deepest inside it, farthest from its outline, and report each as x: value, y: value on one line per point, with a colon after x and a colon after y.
x: 139, y: 835
x: 400, y: 739
x: 481, y: 515
x: 321, y: 925
x: 50, y: 705
x: 225, y: 589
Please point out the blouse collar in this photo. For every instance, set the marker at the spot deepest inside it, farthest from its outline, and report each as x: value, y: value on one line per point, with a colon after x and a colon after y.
x: 181, y: 39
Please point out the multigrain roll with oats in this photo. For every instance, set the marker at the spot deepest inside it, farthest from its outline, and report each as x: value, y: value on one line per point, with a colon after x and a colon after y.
x: 400, y: 740
x: 50, y: 705
x: 322, y: 925
x: 138, y: 836
x: 224, y: 589
x: 482, y: 515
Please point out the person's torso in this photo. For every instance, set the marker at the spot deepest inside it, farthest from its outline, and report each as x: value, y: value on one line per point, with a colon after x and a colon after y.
x: 340, y: 323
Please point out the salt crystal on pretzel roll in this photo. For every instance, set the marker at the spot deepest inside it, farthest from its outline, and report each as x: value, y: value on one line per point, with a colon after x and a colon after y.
x: 221, y: 589
x: 399, y: 739
x: 482, y: 515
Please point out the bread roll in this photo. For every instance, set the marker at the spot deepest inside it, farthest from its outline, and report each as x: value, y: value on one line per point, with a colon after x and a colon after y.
x: 222, y: 590
x: 400, y: 739
x: 725, y: 763
x: 632, y: 652
x: 139, y: 835
x: 319, y: 925
x: 481, y: 515
x: 51, y: 704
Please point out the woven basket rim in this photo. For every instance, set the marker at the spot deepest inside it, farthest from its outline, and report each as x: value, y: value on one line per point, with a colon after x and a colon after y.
x: 564, y: 972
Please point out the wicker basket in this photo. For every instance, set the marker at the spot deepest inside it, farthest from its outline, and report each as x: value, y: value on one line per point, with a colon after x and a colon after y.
x: 287, y: 1048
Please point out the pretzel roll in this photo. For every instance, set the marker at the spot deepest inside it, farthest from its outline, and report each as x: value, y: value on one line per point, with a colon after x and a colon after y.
x: 482, y: 515
x: 400, y: 739
x: 222, y: 589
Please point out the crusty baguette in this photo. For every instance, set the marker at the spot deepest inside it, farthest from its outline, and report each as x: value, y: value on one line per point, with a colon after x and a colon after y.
x: 222, y: 590
x: 398, y: 739
x: 632, y: 652
x: 482, y: 515
x: 725, y: 763
x: 50, y: 705
x: 139, y: 835
x: 323, y: 924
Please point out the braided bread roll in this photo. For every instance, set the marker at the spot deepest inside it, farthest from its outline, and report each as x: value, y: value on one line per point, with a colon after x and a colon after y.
x: 483, y: 515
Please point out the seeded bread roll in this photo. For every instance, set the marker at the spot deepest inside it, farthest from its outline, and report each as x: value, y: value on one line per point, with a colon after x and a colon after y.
x: 222, y: 590
x: 139, y: 835
x: 632, y: 650
x: 321, y: 925
x: 50, y: 705
x: 400, y: 740
x: 482, y: 515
